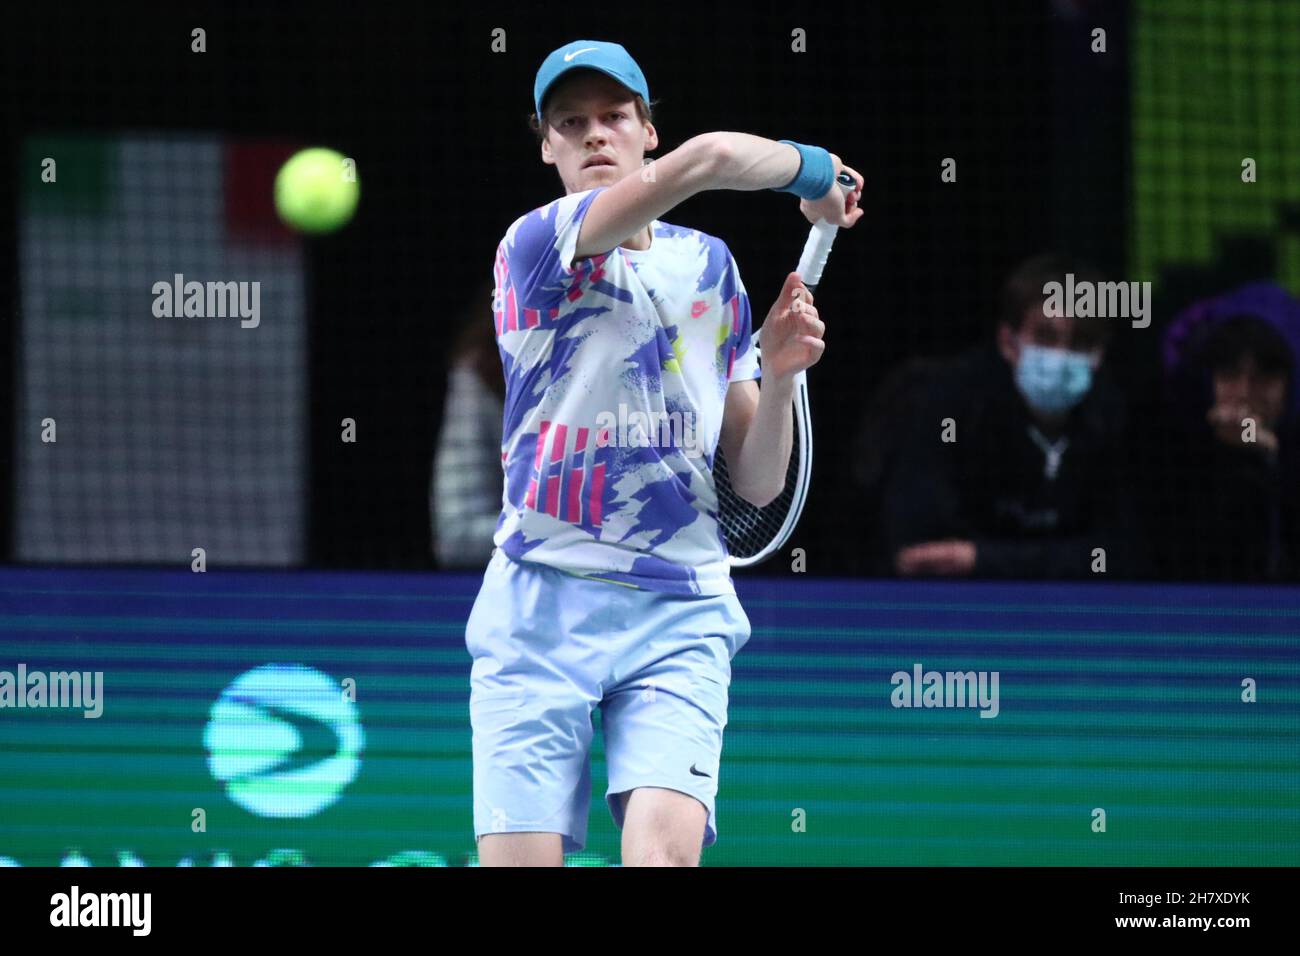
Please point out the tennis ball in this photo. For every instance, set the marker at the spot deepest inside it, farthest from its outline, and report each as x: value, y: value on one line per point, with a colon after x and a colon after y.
x: 316, y: 190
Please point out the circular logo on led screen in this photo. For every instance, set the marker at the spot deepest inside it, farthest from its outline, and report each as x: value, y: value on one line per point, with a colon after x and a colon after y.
x: 284, y: 740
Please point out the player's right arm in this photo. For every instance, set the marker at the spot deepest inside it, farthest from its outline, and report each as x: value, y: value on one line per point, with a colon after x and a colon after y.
x: 719, y: 160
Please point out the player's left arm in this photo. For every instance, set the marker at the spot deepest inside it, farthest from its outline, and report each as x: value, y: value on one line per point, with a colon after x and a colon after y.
x: 758, y: 423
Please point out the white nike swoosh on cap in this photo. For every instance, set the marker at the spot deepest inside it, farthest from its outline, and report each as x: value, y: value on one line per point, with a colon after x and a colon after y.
x: 570, y: 56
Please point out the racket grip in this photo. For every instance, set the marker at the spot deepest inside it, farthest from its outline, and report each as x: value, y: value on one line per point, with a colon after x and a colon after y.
x: 815, y: 252
x: 820, y: 239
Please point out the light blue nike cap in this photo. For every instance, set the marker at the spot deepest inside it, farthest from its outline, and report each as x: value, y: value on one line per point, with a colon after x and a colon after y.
x: 609, y: 58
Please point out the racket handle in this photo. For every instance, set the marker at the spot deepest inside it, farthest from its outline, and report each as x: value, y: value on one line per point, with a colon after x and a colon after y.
x: 820, y: 238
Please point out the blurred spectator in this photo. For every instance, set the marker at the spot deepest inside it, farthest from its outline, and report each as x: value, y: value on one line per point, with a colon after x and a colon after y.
x: 1230, y: 482
x: 893, y: 413
x: 467, y: 479
x: 1013, y: 466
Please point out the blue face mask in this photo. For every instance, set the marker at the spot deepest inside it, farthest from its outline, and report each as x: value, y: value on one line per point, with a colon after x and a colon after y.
x: 1053, y: 381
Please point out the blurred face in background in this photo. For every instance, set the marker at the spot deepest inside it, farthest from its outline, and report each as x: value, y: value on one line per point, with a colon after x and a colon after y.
x: 1051, y: 332
x: 1245, y: 390
x: 594, y: 136
x: 1053, y: 359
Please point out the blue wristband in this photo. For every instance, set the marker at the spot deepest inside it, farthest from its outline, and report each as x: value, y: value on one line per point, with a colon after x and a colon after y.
x: 816, y: 172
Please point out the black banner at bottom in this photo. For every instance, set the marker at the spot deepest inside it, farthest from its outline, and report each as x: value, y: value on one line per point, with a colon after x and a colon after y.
x: 268, y: 905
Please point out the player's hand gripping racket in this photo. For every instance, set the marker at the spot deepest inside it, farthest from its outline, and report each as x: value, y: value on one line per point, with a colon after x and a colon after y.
x: 753, y: 534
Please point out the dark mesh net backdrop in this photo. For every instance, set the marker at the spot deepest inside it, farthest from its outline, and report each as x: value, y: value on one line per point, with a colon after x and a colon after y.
x: 177, y: 432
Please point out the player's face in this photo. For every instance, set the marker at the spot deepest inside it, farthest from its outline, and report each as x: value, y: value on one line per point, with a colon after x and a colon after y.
x: 595, y: 136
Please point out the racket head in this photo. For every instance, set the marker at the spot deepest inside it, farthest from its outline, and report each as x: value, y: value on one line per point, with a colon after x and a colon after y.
x: 753, y: 534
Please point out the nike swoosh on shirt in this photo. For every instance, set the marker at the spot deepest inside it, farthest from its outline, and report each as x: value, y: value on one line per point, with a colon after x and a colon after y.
x: 699, y: 773
x: 570, y: 56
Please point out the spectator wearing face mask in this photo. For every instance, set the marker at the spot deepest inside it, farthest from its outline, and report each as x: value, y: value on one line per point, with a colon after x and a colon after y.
x: 1225, y: 504
x: 1013, y: 466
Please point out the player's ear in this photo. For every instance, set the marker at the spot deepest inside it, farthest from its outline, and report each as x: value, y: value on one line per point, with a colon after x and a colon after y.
x: 651, y: 137
x: 548, y: 157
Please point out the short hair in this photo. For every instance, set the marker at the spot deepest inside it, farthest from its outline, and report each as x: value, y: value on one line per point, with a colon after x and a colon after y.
x: 1243, y: 334
x: 1024, y: 288
x: 538, y: 123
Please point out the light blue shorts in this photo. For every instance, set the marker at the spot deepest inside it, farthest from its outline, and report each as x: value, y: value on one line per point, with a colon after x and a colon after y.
x: 549, y: 648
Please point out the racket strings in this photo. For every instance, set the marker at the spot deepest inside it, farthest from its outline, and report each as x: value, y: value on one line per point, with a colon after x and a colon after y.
x: 748, y: 529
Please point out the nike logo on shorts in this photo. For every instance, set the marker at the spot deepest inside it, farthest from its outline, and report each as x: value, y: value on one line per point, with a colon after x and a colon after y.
x: 699, y: 773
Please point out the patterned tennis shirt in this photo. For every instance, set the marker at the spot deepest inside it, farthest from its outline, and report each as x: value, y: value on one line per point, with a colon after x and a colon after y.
x: 617, y: 370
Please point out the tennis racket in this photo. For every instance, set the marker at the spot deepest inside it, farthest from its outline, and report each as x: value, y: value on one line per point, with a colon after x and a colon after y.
x: 754, y: 534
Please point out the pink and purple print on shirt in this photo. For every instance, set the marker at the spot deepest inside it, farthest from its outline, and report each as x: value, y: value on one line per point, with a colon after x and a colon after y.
x: 617, y: 370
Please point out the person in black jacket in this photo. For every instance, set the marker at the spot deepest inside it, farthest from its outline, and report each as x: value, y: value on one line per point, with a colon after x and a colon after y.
x: 1013, y: 467
x: 1229, y: 487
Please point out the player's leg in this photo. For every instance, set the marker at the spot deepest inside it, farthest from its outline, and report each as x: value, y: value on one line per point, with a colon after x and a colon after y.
x: 662, y: 827
x: 664, y: 713
x: 521, y: 849
x: 530, y: 709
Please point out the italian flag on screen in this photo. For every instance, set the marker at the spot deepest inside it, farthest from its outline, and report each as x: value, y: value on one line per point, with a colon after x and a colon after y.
x: 143, y: 437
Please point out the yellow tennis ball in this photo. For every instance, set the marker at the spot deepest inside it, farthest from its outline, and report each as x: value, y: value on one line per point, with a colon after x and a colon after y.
x: 316, y: 190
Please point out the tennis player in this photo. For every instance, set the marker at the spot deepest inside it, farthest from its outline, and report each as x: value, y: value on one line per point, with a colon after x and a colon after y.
x: 626, y: 345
